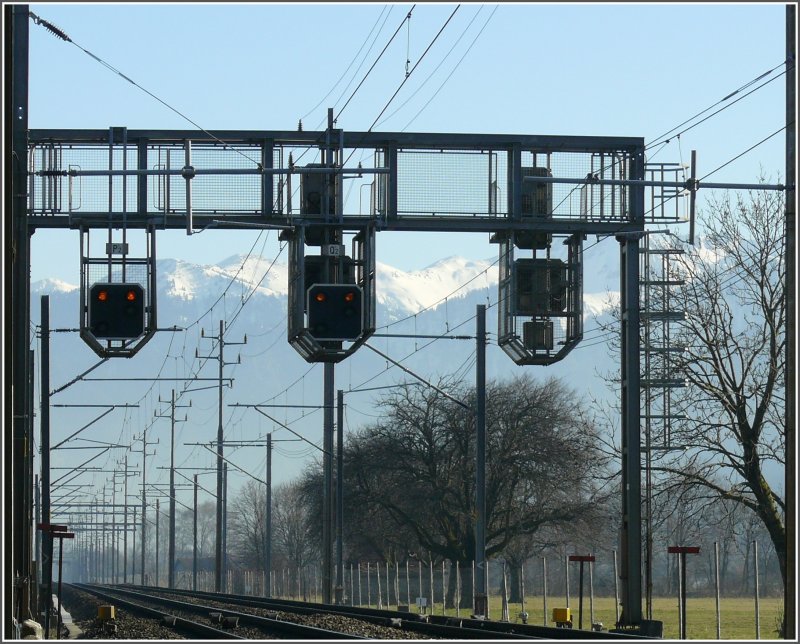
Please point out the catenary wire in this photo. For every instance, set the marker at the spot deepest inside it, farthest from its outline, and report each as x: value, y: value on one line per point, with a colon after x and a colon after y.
x: 421, y: 58
x: 347, y: 69
x: 452, y: 71
x: 668, y: 133
x: 435, y: 69
x: 355, y: 91
x: 662, y: 143
x: 61, y: 34
x: 443, y: 299
x: 750, y: 149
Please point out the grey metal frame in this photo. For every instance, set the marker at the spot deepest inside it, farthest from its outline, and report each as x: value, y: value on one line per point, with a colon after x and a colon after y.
x: 54, y: 153
x: 117, y: 272
x: 626, y: 220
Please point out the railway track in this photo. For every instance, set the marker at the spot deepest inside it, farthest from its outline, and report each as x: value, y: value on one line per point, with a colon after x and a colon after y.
x: 209, y: 621
x: 401, y: 624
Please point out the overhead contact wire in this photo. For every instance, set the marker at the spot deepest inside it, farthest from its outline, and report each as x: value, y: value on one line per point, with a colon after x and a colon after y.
x: 421, y: 58
x: 347, y: 69
x: 435, y: 69
x: 63, y: 36
x: 453, y: 71
x: 355, y: 91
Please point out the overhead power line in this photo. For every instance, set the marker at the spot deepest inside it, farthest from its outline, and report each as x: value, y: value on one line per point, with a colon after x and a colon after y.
x: 445, y: 298
x: 722, y: 109
x: 62, y: 35
x: 399, y: 27
x: 452, y: 71
x: 347, y: 69
x: 719, y: 102
x: 435, y: 69
x: 750, y: 149
x: 671, y: 132
x: 408, y: 75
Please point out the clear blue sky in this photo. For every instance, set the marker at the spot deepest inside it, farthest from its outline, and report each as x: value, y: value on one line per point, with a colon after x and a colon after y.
x: 628, y: 70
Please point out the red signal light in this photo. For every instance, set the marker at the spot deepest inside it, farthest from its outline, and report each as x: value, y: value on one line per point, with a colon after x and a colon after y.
x: 349, y: 296
x: 116, y: 311
x: 320, y: 297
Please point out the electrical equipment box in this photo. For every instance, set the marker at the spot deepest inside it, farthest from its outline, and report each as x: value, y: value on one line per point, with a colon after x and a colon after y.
x: 537, y: 198
x: 537, y: 202
x: 541, y: 286
x: 312, y: 189
x: 537, y: 335
x: 314, y: 268
x: 562, y: 617
x: 540, y: 312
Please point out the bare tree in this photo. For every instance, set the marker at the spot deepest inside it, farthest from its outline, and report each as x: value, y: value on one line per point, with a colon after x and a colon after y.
x: 416, y: 468
x: 734, y: 336
x: 293, y: 531
x: 246, y: 524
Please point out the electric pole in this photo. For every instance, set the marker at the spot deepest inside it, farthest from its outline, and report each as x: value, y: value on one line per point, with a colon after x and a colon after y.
x: 125, y: 530
x: 194, y: 538
x: 225, y: 525
x: 790, y: 590
x: 479, y: 592
x: 125, y: 521
x: 144, y: 500
x: 113, y: 553
x: 158, y: 522
x: 171, y: 416
x: 339, y: 494
x: 327, y: 492
x: 220, y: 358
x: 268, y: 526
x: 46, y: 597
x: 20, y: 434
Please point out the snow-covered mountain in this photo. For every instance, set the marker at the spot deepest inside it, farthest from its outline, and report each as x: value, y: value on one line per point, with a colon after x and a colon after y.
x: 398, y: 292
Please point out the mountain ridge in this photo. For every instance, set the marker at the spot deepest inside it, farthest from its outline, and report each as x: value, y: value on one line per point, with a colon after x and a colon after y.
x: 399, y: 292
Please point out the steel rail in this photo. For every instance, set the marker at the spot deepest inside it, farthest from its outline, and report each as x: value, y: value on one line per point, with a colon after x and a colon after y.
x: 179, y: 623
x: 433, y: 625
x: 274, y: 626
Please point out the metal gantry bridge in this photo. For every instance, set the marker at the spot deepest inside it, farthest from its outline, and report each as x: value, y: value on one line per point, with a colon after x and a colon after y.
x: 528, y: 191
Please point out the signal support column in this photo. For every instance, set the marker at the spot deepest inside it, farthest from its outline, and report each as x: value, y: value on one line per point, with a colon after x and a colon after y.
x: 327, y: 501
x: 479, y: 591
x: 339, y: 496
x: 631, y: 538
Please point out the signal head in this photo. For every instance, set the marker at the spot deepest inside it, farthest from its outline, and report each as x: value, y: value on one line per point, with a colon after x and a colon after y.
x: 335, y: 312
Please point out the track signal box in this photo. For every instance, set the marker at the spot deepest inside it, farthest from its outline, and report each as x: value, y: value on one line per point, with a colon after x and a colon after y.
x: 335, y: 311
x: 537, y: 203
x: 541, y: 286
x: 116, y: 311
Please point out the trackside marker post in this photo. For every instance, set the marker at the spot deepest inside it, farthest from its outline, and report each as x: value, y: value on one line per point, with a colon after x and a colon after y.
x: 682, y: 551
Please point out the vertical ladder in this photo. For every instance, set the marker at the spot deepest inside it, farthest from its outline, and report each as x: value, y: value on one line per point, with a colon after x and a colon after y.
x: 659, y: 378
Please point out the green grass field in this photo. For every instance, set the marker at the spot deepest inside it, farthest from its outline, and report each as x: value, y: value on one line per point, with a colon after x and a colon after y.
x: 737, y: 615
